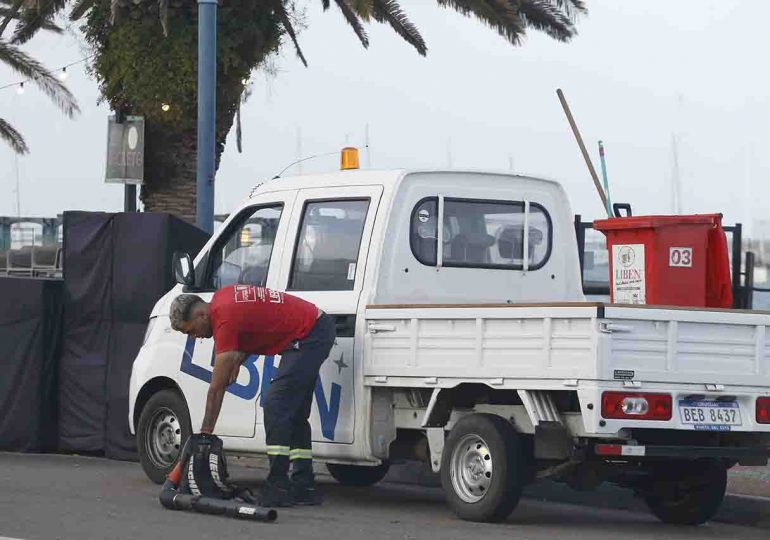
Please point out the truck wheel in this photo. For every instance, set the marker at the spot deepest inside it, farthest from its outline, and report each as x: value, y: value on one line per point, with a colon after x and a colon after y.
x: 482, y: 470
x: 164, y: 425
x: 688, y: 494
x: 358, y: 475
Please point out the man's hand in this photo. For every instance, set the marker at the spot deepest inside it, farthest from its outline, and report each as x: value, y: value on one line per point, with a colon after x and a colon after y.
x: 226, y: 367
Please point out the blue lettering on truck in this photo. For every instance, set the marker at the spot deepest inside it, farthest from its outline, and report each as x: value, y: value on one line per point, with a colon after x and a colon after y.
x: 328, y: 412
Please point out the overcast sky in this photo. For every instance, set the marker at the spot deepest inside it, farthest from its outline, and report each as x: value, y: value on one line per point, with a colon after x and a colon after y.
x: 637, y: 73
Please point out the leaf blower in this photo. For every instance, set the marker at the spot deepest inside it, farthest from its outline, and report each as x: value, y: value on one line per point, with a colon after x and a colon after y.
x: 198, y: 482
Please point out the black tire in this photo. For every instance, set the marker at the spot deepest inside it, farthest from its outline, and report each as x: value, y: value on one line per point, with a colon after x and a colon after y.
x: 164, y: 426
x: 491, y: 491
x: 689, y: 493
x: 358, y: 475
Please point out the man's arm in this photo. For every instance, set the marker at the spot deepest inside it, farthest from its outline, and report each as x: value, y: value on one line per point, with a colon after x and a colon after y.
x: 226, y: 366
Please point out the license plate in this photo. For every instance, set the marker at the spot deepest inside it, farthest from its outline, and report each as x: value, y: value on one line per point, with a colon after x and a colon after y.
x: 710, y: 415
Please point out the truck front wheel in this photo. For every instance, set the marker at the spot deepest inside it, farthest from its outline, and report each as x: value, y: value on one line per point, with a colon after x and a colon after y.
x: 482, y: 470
x: 164, y: 425
x: 357, y: 475
x: 688, y: 493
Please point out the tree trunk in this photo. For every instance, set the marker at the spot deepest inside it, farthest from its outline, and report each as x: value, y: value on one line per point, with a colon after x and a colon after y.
x: 170, y: 169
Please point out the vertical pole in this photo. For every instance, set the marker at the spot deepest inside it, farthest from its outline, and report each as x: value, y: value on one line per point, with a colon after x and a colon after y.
x: 738, y: 296
x: 604, y: 176
x: 749, y: 280
x: 207, y: 104
x: 129, y: 198
x: 5, y: 234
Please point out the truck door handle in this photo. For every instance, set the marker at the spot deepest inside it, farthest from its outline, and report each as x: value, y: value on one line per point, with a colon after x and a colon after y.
x: 375, y: 328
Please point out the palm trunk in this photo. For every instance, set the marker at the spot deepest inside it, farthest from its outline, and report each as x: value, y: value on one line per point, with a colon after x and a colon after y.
x: 170, y: 169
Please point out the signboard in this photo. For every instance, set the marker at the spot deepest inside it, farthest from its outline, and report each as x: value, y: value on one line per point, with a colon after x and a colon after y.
x: 125, y: 151
x: 628, y: 280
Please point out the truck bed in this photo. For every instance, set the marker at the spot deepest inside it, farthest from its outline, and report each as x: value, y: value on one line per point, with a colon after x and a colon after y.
x: 567, y: 341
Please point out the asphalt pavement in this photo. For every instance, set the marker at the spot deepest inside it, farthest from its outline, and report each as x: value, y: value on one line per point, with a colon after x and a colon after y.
x: 66, y: 497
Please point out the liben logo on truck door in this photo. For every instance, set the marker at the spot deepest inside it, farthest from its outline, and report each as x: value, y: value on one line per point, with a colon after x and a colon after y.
x: 328, y: 411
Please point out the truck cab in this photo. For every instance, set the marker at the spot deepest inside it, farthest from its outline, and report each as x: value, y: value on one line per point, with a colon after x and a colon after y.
x: 464, y: 340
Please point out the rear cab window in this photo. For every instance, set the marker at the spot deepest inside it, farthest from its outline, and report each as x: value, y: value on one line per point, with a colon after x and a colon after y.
x: 482, y: 233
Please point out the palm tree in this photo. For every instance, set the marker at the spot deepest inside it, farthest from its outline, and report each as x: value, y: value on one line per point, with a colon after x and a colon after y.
x: 31, y: 69
x: 138, y: 70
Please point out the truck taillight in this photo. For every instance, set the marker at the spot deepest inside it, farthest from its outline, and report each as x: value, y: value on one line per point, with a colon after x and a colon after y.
x: 763, y: 410
x: 636, y: 406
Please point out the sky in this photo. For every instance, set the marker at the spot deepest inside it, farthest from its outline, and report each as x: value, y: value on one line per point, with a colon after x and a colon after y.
x: 638, y: 75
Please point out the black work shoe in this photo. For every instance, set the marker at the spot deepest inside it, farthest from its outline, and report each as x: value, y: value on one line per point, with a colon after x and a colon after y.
x: 305, y: 494
x: 275, y: 495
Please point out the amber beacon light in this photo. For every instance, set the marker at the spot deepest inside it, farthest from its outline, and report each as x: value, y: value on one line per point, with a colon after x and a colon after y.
x: 349, y: 159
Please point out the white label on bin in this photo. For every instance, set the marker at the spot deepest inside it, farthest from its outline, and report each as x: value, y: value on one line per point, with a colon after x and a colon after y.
x: 628, y: 280
x: 680, y: 257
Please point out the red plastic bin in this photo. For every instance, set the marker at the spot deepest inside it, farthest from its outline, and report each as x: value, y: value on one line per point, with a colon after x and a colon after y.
x: 668, y: 260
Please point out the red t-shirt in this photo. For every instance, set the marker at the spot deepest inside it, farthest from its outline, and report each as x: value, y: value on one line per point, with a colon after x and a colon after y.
x: 258, y: 320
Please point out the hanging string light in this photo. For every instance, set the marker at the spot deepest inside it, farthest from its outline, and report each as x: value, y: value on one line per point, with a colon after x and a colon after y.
x: 61, y: 72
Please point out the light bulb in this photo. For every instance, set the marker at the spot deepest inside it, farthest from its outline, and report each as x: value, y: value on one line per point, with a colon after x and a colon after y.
x: 166, y: 107
x: 63, y: 75
x: 20, y: 91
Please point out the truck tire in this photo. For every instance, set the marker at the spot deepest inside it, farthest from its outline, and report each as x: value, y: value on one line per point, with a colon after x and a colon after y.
x: 482, y: 468
x: 358, y: 475
x: 164, y: 425
x: 688, y: 494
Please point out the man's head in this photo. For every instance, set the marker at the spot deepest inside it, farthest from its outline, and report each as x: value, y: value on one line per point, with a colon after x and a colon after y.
x: 189, y: 314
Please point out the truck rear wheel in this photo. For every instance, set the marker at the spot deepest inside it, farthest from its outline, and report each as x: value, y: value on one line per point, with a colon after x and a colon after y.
x: 689, y: 493
x: 164, y: 426
x: 358, y: 475
x: 482, y: 470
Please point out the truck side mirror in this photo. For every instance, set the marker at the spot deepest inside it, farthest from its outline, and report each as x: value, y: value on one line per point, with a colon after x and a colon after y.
x: 183, y: 269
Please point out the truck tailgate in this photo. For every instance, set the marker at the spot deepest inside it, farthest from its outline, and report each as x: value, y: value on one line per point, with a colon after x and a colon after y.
x: 685, y: 345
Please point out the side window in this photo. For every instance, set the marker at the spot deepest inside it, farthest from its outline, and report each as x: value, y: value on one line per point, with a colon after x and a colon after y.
x: 481, y: 234
x: 244, y: 256
x: 326, y: 256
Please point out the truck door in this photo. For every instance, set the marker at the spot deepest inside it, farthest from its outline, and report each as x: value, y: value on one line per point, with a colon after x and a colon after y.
x: 248, y: 251
x: 325, y: 264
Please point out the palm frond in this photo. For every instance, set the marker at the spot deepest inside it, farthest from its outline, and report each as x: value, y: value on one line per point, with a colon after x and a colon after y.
x: 114, y: 10
x: 547, y: 17
x: 30, y: 68
x: 500, y: 15
x: 362, y: 8
x: 13, y: 14
x: 9, y: 134
x: 51, y: 27
x: 390, y: 11
x: 35, y: 18
x: 80, y: 9
x: 289, y: 27
x: 238, y: 129
x: 163, y: 15
x: 572, y: 8
x: 354, y: 21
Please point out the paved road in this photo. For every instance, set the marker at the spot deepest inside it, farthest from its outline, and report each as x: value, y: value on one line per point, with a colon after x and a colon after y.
x: 61, y: 497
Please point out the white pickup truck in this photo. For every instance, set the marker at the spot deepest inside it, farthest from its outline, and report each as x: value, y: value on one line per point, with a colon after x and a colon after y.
x: 465, y: 340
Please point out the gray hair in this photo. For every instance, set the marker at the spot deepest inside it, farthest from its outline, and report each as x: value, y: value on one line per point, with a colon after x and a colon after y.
x: 181, y: 308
